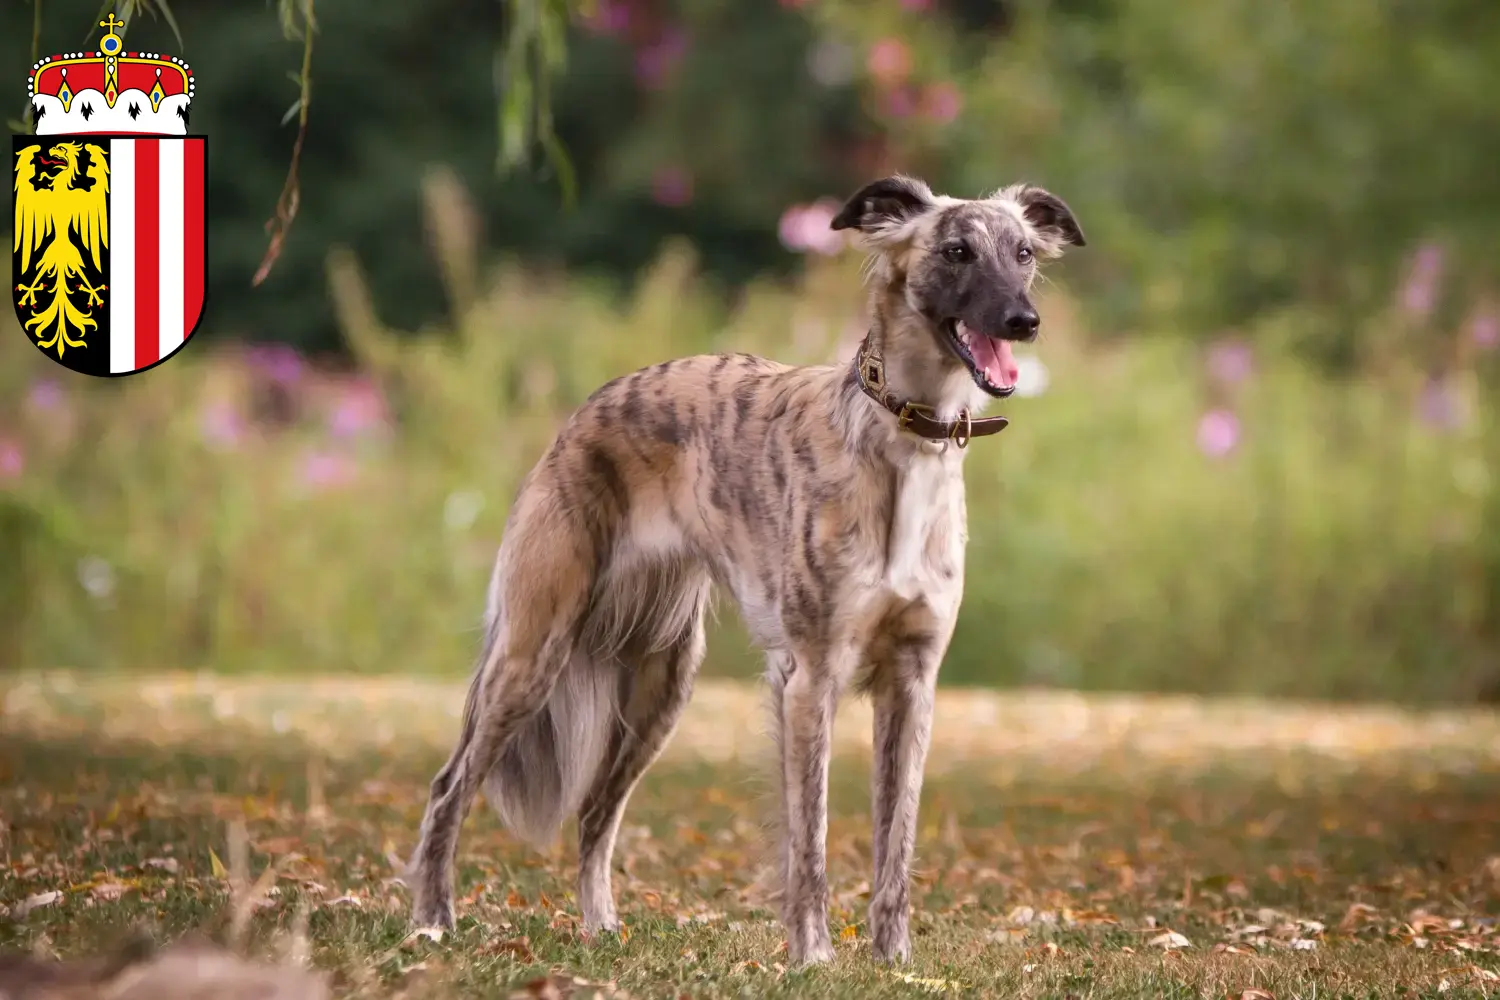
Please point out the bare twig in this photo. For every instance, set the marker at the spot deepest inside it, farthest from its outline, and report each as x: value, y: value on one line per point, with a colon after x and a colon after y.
x: 291, y: 194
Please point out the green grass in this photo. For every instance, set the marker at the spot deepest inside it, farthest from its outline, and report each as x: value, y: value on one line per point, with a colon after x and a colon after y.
x: 1299, y: 850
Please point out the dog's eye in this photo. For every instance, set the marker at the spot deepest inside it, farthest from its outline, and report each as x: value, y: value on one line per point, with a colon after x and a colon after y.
x: 957, y: 254
x: 1024, y: 255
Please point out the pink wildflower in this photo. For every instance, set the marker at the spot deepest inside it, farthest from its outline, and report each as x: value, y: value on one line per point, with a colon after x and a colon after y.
x: 610, y: 17
x: 889, y: 61
x: 655, y: 63
x: 942, y: 102
x: 805, y: 228
x: 1218, y: 433
x: 221, y: 425
x: 361, y: 408
x: 322, y: 471
x: 1439, y: 406
x: 1419, y: 295
x: 1484, y: 330
x: 898, y: 103
x: 1230, y: 362
x: 672, y: 186
x: 12, y: 460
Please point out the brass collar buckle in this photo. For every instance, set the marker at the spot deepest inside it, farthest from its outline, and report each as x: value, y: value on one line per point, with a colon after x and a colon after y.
x: 962, y: 430
x: 904, y: 415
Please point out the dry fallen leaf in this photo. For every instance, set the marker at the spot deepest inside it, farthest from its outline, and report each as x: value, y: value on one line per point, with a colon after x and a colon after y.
x: 1007, y: 935
x: 1483, y: 975
x: 25, y: 906
x: 519, y: 948
x: 110, y: 890
x: 1169, y: 941
x: 1357, y: 914
x: 849, y: 933
x: 1255, y: 993
x: 1225, y: 948
x: 430, y: 933
x: 1089, y: 917
x: 935, y: 985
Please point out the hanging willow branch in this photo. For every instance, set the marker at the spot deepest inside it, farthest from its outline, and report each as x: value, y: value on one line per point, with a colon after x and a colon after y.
x: 533, y: 53
x: 291, y: 192
x: 535, y: 49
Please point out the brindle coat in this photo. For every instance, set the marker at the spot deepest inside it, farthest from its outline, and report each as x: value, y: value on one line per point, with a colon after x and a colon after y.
x: 839, y: 534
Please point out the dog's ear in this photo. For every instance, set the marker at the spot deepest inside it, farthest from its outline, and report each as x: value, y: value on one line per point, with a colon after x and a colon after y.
x: 885, y: 204
x: 1050, y: 216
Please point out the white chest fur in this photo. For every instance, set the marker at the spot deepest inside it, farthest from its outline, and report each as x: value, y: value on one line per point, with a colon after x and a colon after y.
x: 924, y: 552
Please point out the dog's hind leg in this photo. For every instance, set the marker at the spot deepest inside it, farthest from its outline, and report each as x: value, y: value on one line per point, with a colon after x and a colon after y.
x: 531, y: 642
x: 657, y: 690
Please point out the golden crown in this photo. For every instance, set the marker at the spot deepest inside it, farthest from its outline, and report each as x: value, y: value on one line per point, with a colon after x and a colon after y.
x: 111, y: 90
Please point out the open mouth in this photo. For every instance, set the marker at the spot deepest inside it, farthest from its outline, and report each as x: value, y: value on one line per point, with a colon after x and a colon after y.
x: 989, y: 359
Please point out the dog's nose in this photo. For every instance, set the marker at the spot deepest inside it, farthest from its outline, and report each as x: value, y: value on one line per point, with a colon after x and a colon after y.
x: 1022, y: 323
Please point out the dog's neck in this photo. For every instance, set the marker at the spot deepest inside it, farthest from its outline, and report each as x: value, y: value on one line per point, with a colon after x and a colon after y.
x: 919, y: 368
x: 931, y: 402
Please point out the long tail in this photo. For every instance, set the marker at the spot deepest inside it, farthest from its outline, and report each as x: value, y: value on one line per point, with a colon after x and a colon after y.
x: 545, y: 772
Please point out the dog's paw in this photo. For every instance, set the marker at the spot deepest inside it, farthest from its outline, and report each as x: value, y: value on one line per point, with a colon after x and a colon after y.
x: 890, y: 939
x: 433, y: 914
x: 595, y: 928
x: 891, y: 948
x: 817, y: 954
x: 809, y: 946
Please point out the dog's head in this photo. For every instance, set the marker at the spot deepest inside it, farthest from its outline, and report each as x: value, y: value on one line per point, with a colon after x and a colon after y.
x: 959, y: 272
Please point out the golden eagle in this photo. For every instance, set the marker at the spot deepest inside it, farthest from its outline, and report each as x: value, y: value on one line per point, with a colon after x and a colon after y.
x: 63, y: 212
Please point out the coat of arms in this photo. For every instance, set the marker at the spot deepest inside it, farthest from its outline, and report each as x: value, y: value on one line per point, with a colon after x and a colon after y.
x: 109, y: 247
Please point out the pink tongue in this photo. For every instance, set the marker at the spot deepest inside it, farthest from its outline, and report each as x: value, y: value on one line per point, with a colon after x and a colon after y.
x: 995, y: 359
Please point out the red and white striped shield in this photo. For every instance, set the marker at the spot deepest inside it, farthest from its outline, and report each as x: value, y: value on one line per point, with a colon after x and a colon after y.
x: 110, y: 249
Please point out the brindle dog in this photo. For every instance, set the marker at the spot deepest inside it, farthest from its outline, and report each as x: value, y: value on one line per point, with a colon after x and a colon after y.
x: 828, y: 500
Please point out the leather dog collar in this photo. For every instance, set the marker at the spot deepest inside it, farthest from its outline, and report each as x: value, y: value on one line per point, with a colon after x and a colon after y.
x: 919, y: 418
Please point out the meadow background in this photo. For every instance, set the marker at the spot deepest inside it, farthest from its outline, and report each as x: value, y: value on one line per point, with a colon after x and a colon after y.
x: 1259, y: 446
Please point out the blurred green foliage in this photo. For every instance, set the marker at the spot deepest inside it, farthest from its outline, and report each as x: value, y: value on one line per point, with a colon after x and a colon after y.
x: 1161, y: 517
x: 1231, y: 160
x: 1267, y: 461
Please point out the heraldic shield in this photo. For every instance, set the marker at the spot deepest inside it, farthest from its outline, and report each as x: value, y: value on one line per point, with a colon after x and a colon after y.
x: 110, y: 241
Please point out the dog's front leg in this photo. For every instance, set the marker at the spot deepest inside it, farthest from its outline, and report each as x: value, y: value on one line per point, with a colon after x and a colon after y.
x: 806, y: 723
x: 902, y: 698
